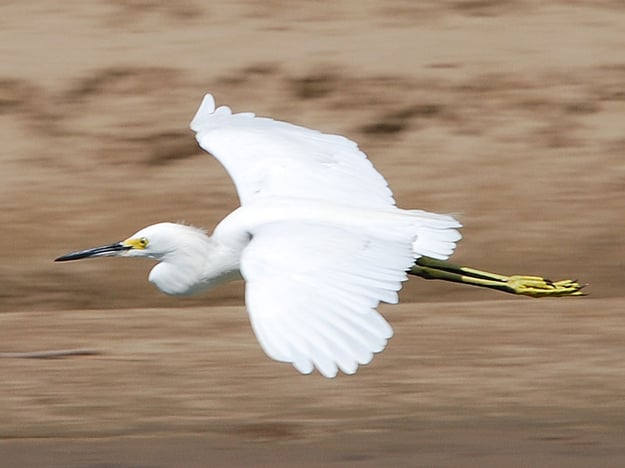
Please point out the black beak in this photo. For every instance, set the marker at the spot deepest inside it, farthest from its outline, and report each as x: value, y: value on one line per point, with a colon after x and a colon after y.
x: 104, y: 251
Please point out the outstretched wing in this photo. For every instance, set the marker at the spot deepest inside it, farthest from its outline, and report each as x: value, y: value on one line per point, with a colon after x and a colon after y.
x: 312, y: 292
x: 265, y: 157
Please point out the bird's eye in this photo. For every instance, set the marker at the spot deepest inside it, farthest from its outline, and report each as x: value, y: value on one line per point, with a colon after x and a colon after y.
x: 143, y: 242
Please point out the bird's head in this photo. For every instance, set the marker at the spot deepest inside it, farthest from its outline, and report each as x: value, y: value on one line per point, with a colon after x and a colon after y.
x: 154, y: 241
x: 180, y: 250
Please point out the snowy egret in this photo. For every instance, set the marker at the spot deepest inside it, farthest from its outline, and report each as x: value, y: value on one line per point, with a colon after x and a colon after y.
x: 317, y: 238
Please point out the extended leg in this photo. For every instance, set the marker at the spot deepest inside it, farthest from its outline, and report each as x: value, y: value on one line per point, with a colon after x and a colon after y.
x: 534, y: 286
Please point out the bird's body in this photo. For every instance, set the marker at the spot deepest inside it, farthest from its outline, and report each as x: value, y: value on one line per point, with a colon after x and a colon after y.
x: 315, y: 271
x: 318, y: 239
x: 211, y: 260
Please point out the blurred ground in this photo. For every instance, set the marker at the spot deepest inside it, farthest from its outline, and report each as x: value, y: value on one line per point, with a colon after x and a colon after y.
x: 510, y: 114
x: 535, y: 383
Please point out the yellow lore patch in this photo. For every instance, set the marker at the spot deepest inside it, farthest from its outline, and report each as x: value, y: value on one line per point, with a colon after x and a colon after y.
x: 138, y: 243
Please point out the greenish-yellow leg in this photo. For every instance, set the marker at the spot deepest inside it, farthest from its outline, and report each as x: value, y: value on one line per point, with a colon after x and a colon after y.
x: 534, y: 286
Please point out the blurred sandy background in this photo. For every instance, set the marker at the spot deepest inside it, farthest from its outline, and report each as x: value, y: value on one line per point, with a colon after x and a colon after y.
x: 510, y: 114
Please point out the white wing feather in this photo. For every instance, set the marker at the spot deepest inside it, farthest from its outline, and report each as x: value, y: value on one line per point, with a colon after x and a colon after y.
x: 265, y: 157
x: 312, y: 291
x: 312, y: 286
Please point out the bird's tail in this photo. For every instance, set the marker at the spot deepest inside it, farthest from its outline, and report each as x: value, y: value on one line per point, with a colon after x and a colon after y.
x: 436, y: 235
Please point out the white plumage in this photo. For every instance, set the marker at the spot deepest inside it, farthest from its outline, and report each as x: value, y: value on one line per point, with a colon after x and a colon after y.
x: 266, y: 157
x: 314, y: 273
x: 318, y: 240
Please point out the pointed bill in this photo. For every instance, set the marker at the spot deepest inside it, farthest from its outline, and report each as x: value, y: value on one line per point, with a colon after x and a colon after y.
x: 111, y: 250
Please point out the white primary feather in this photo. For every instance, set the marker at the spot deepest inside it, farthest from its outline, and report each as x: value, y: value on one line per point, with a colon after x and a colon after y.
x: 266, y: 157
x: 311, y: 293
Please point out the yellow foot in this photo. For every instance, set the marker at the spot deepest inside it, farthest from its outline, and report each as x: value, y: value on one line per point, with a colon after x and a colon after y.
x: 535, y: 286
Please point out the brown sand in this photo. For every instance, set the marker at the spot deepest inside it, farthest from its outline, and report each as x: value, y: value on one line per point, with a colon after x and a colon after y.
x: 510, y: 114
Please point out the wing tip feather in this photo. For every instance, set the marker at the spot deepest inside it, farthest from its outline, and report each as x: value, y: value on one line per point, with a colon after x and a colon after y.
x: 207, y: 107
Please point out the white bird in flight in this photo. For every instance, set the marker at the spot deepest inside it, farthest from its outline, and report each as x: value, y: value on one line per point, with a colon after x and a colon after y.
x: 318, y: 240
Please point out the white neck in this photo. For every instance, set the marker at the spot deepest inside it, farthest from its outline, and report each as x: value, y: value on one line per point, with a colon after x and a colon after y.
x: 201, y: 263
